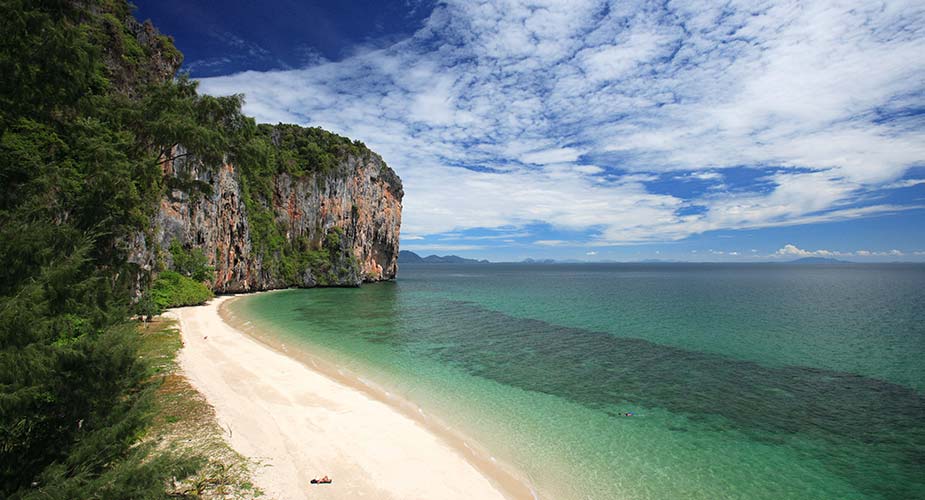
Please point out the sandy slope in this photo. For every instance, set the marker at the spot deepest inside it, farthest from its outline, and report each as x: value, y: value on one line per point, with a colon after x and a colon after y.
x: 301, y: 424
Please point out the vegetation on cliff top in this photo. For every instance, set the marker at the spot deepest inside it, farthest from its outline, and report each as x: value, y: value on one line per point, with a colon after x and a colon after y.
x: 304, y: 150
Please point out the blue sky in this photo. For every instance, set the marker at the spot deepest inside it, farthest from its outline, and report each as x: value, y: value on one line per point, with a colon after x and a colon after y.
x: 602, y: 130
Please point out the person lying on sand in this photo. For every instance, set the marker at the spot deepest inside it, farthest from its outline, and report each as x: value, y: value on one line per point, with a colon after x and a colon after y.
x: 324, y: 480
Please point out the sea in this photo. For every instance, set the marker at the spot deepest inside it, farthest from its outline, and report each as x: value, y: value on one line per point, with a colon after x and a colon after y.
x: 645, y: 381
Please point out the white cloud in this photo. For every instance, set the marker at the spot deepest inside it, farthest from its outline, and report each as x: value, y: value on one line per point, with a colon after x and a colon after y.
x: 611, y: 62
x: 703, y: 176
x: 499, y: 236
x: 591, y: 169
x: 905, y: 184
x: 486, y: 111
x: 440, y: 248
x: 790, y: 250
x: 558, y: 155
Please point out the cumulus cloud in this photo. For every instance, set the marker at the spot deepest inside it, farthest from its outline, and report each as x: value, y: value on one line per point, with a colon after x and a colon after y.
x: 512, y: 112
x: 790, y: 250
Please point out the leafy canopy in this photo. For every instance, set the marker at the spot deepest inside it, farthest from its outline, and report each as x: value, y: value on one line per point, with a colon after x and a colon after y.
x: 82, y: 169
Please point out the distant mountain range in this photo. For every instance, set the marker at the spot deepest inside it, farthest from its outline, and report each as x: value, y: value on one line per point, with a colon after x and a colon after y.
x: 538, y: 261
x: 818, y: 260
x: 409, y: 257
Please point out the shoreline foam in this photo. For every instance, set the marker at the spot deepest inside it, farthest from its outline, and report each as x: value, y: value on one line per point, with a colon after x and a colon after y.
x: 308, y: 419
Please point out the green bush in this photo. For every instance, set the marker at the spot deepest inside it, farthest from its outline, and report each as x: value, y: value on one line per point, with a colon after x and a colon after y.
x: 172, y: 289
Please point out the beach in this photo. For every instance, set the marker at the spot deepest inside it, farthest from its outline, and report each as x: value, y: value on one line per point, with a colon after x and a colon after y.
x: 728, y: 395
x: 300, y: 424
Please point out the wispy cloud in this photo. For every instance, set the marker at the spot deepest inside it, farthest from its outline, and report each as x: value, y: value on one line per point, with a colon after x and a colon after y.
x: 500, y: 236
x: 553, y: 243
x: 427, y: 247
x: 907, y: 183
x: 511, y: 113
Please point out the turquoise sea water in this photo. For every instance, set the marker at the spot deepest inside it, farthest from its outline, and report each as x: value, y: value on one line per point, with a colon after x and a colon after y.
x: 746, y: 381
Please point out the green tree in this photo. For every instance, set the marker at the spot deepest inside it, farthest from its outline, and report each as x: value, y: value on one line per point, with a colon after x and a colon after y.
x: 85, y: 133
x: 191, y: 263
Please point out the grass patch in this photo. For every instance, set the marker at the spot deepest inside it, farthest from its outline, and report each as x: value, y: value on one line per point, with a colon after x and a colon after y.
x: 185, y: 424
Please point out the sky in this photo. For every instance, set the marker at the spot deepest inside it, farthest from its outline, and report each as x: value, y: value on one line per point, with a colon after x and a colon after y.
x: 599, y: 130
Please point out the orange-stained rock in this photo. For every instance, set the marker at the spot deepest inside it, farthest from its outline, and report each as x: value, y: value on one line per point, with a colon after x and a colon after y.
x: 362, y: 197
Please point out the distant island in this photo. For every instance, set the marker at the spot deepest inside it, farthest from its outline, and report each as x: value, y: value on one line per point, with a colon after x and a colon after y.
x: 409, y: 257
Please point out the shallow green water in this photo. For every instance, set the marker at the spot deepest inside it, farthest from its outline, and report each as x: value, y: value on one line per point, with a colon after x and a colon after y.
x: 747, y: 381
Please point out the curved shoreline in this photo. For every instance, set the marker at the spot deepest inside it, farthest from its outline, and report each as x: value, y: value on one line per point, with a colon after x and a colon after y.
x: 306, y: 417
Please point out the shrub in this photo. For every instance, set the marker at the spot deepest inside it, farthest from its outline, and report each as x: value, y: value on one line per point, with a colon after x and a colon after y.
x: 172, y: 289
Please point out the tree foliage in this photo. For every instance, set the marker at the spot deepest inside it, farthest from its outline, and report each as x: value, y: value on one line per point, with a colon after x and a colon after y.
x: 81, y: 169
x: 191, y: 263
x: 305, y: 150
x: 91, y: 123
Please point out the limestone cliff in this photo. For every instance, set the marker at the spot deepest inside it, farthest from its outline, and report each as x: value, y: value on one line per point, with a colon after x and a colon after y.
x: 351, y: 216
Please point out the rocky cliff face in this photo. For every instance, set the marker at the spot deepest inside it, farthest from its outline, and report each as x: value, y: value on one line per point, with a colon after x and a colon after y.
x: 359, y: 202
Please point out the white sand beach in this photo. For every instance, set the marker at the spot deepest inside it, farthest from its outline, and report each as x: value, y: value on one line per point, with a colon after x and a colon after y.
x: 301, y: 424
